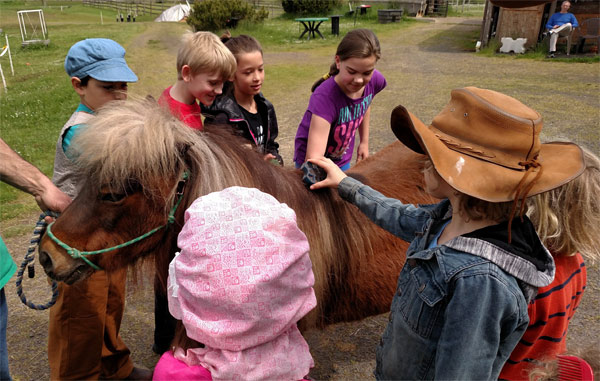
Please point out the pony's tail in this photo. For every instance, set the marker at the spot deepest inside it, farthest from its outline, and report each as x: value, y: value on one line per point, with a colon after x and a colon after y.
x: 333, y: 70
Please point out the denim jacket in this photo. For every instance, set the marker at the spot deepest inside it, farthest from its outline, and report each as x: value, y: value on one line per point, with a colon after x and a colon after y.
x: 460, y: 308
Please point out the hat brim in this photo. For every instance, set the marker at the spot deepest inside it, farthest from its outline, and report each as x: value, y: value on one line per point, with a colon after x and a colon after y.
x: 480, y: 178
x: 116, y: 71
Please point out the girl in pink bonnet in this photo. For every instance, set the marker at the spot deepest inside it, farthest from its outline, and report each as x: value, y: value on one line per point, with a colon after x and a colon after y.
x: 239, y: 285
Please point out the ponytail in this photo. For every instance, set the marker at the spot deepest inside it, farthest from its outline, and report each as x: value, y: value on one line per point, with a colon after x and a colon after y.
x: 333, y: 71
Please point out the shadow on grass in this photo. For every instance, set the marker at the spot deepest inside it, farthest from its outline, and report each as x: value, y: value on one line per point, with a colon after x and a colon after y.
x: 460, y: 38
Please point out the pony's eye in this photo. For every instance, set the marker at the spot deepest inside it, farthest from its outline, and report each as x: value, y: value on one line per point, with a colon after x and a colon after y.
x: 112, y: 197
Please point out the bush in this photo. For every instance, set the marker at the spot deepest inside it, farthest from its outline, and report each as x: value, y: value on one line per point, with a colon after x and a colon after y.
x: 215, y: 14
x: 314, y: 7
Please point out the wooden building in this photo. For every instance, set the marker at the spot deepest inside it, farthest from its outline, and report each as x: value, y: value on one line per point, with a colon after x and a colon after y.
x: 518, y: 19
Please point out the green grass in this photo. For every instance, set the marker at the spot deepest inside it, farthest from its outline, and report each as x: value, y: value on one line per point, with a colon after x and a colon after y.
x: 281, y: 33
x: 475, y: 10
x: 40, y: 98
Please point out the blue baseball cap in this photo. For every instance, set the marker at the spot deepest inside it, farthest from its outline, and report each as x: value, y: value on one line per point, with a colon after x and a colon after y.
x: 99, y: 58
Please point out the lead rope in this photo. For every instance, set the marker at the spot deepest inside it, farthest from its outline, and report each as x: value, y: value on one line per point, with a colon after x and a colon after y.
x: 29, y: 263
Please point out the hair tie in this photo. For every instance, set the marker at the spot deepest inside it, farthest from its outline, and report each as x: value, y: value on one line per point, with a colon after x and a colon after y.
x: 326, y: 76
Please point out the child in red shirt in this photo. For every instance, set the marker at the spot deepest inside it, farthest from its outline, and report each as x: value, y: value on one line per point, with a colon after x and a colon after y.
x: 203, y: 65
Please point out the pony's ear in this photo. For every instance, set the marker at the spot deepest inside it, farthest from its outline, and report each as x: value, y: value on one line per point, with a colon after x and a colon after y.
x: 150, y: 98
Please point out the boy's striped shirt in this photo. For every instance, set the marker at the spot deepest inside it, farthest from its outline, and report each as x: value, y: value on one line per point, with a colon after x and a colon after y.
x: 549, y: 316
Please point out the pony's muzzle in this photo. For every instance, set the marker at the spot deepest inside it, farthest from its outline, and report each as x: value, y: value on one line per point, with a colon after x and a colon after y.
x: 69, y: 275
x: 46, y: 262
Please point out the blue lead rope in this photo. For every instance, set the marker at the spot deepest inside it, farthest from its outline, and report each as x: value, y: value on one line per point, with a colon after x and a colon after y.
x: 29, y: 263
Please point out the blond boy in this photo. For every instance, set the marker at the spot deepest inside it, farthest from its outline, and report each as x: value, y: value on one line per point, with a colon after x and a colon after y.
x: 203, y: 65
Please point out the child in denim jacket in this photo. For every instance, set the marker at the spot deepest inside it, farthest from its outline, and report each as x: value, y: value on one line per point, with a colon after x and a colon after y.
x: 472, y: 266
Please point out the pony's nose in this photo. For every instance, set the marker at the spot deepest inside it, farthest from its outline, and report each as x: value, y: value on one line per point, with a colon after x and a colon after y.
x: 46, y: 262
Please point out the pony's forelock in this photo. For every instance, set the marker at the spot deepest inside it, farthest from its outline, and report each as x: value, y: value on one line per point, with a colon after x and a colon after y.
x: 108, y: 149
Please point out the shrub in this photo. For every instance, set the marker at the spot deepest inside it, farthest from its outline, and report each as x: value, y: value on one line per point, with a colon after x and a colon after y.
x: 215, y: 14
x: 309, y: 6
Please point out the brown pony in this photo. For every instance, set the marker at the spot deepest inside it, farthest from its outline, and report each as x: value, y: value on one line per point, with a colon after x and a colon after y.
x: 134, y: 155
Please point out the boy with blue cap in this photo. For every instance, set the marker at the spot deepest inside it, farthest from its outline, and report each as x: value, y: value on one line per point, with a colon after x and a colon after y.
x: 83, y: 338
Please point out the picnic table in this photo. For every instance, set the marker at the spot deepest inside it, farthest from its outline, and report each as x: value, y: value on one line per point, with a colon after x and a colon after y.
x: 311, y: 25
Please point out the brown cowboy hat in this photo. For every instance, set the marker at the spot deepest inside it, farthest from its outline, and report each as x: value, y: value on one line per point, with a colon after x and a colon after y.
x: 486, y: 144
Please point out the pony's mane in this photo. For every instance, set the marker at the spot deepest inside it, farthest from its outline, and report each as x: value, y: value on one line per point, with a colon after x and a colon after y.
x: 138, y: 141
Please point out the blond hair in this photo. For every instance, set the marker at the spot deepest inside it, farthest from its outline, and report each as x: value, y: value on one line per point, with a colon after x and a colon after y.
x: 548, y: 368
x: 568, y: 218
x: 204, y: 52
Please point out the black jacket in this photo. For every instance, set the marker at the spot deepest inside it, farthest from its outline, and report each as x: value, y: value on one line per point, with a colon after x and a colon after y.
x: 225, y: 110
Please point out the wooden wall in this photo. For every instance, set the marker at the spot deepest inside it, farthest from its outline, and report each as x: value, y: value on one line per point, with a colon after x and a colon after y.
x: 519, y: 23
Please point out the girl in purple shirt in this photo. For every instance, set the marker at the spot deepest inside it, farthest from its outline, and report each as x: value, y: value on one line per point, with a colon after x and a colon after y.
x: 341, y: 103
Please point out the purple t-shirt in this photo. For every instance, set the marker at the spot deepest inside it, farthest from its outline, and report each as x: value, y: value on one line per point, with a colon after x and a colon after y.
x: 343, y: 113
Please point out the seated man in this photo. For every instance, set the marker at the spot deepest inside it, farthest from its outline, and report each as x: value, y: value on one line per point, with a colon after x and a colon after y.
x: 560, y: 24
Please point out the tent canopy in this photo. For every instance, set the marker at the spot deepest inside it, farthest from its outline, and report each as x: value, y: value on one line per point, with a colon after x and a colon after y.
x: 175, y: 13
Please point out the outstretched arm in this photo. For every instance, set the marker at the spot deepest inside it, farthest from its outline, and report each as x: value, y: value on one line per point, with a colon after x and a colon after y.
x: 14, y: 170
x: 317, y: 137
x: 363, y: 132
x: 402, y: 220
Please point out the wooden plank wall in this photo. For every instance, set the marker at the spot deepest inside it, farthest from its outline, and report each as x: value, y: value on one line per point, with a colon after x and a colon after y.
x: 520, y: 22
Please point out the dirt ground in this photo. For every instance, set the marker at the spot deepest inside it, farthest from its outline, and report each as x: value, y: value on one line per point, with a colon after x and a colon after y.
x: 422, y: 64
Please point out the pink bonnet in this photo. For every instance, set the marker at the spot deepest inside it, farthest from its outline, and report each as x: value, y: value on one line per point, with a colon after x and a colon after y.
x: 240, y: 283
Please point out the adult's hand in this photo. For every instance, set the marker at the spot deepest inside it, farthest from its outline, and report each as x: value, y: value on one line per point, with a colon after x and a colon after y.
x: 14, y: 170
x: 334, y: 174
x: 52, y: 198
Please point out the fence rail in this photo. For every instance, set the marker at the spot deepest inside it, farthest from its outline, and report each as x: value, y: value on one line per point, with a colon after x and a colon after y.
x: 131, y: 7
x: 152, y: 7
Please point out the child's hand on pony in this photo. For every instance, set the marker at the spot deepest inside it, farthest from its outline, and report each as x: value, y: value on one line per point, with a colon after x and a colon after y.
x: 362, y: 152
x: 334, y: 174
x: 269, y: 157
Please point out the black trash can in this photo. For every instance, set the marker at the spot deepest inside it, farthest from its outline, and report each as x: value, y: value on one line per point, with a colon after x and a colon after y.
x: 335, y: 24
